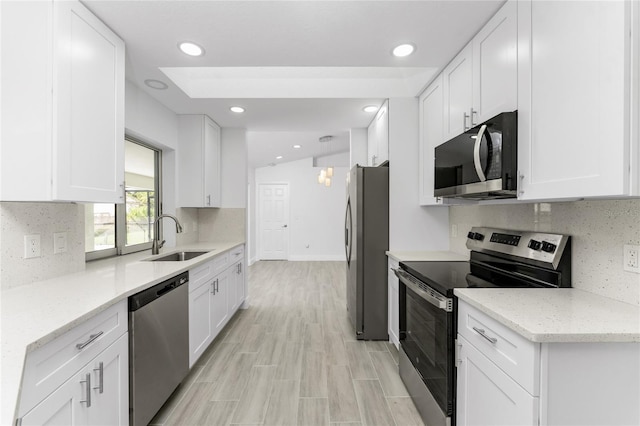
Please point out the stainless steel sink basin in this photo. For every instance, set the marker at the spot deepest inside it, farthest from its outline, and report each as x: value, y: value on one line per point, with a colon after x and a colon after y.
x: 180, y: 256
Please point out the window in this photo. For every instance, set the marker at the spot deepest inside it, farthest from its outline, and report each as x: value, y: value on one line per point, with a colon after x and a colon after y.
x: 112, y: 229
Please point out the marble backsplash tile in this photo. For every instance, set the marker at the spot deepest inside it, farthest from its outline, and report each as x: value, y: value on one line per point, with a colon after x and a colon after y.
x: 20, y: 219
x: 222, y: 224
x: 599, y: 229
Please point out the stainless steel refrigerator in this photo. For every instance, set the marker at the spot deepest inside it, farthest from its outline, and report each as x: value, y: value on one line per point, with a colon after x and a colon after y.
x: 366, y: 241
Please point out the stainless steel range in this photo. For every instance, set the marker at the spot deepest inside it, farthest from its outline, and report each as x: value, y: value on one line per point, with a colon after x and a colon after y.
x: 499, y: 258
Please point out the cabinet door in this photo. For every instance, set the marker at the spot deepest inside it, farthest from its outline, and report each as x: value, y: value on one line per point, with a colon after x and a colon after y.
x: 495, y: 65
x: 431, y: 135
x: 88, y: 142
x: 110, y: 385
x: 200, y: 320
x: 458, y: 94
x: 220, y: 301
x: 372, y: 143
x: 393, y: 310
x: 487, y: 396
x: 573, y: 92
x: 65, y: 406
x: 211, y: 165
x: 382, y: 134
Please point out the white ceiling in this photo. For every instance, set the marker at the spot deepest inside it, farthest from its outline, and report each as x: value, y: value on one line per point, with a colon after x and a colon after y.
x: 296, y: 66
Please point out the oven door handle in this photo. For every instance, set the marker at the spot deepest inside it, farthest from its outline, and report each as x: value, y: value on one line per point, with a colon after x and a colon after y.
x: 431, y: 296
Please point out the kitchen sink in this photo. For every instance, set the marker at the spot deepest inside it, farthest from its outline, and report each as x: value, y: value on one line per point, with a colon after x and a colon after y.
x: 180, y: 256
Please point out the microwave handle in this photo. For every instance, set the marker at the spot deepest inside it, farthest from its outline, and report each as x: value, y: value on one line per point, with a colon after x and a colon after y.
x: 476, y: 154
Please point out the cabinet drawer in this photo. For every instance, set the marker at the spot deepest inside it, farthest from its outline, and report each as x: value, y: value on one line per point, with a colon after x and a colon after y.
x: 220, y: 263
x: 237, y: 253
x: 512, y: 353
x: 49, y: 366
x: 200, y: 275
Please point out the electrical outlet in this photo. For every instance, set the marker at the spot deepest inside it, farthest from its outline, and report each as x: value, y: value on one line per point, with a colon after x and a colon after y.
x: 59, y: 242
x: 31, y: 246
x: 631, y: 262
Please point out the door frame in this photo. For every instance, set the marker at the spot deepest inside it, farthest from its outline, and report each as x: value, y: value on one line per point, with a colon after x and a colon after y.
x: 259, y: 217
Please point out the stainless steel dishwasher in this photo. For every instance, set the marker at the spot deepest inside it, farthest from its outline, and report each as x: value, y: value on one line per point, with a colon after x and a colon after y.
x: 158, y: 346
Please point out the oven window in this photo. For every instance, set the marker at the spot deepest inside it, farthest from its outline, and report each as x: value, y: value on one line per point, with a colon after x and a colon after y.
x: 426, y: 343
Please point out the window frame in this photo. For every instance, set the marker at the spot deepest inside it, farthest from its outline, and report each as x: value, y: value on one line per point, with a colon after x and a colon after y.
x: 121, y: 212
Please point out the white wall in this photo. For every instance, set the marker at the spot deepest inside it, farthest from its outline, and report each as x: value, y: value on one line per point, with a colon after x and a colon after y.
x: 316, y: 220
x: 153, y: 123
x: 359, y: 147
x: 411, y: 227
x: 233, y: 172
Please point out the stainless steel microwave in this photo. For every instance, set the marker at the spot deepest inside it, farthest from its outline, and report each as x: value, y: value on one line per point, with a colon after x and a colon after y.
x: 481, y: 163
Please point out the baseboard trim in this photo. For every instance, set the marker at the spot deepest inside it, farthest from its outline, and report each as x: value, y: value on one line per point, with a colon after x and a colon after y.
x: 325, y: 258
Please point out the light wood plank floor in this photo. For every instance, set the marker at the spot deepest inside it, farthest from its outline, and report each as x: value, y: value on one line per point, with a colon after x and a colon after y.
x: 292, y: 359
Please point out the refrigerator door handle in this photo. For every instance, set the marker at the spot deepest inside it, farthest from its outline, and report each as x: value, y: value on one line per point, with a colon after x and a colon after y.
x: 348, y: 232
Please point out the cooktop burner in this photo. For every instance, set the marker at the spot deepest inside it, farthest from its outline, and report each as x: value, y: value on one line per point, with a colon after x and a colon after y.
x: 445, y: 276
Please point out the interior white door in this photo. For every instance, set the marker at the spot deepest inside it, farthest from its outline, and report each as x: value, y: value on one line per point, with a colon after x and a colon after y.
x: 273, y: 217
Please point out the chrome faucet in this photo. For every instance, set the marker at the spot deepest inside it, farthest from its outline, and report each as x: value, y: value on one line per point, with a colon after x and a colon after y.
x: 157, y: 244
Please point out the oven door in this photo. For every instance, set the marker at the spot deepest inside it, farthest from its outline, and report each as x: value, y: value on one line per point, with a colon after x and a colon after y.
x: 427, y: 338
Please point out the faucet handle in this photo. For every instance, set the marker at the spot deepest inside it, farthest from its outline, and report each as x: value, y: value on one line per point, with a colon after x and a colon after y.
x: 161, y: 243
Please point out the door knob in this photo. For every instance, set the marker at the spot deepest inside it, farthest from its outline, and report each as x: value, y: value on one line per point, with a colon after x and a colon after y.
x: 284, y: 226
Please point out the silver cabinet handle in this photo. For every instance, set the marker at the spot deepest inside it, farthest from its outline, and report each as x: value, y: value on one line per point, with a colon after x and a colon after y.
x: 213, y: 287
x: 373, y: 160
x: 100, y: 371
x: 239, y: 268
x: 81, y: 346
x: 473, y: 123
x: 476, y: 154
x: 481, y: 332
x: 87, y: 384
x: 520, y: 184
x: 464, y: 121
x: 123, y: 191
x: 217, y: 288
x: 208, y: 200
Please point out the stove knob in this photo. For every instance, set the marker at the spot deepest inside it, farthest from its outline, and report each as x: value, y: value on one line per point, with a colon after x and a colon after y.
x: 478, y: 236
x: 471, y: 235
x: 534, y: 245
x: 548, y: 247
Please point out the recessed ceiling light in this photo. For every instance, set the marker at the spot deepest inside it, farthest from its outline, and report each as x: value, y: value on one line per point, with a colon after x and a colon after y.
x: 404, y: 50
x: 191, y: 49
x: 297, y: 146
x: 279, y: 157
x: 237, y: 109
x: 156, y: 84
x: 370, y: 108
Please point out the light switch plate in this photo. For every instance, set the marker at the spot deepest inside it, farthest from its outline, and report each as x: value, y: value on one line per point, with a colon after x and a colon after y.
x: 59, y: 242
x: 31, y: 246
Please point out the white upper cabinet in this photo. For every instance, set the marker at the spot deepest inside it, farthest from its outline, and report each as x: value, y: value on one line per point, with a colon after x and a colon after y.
x: 198, y: 162
x: 458, y: 95
x: 495, y: 66
x: 577, y: 91
x: 431, y: 135
x: 378, y: 137
x: 62, y: 105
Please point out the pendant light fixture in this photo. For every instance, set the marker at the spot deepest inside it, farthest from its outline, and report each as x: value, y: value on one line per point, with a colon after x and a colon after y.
x: 326, y: 173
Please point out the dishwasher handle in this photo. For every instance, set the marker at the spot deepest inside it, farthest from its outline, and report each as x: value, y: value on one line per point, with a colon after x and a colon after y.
x: 147, y: 296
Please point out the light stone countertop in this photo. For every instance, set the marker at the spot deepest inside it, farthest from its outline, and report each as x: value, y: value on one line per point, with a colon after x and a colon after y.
x: 427, y: 256
x: 557, y: 315
x: 34, y: 314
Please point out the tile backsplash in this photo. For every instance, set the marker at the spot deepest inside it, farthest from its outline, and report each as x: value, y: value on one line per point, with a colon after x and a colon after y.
x: 222, y: 224
x: 45, y: 219
x: 599, y: 229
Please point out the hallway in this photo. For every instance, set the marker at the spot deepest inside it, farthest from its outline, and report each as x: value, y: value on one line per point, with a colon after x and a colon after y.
x: 292, y: 359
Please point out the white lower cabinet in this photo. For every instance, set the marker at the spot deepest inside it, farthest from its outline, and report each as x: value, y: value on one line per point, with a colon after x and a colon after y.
x: 487, y: 395
x: 393, y: 300
x: 216, y: 291
x: 505, y: 379
x: 97, y: 395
